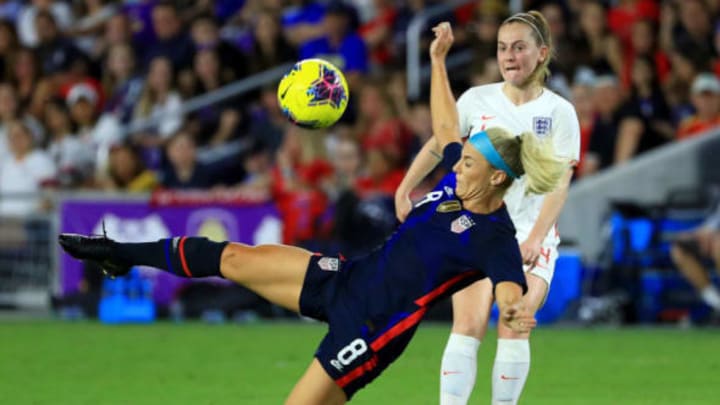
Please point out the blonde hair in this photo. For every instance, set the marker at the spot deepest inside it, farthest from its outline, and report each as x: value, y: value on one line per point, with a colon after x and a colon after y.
x: 529, y: 155
x: 540, y: 30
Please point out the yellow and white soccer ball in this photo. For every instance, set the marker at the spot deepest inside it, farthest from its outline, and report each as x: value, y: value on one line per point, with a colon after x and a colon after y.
x: 313, y: 94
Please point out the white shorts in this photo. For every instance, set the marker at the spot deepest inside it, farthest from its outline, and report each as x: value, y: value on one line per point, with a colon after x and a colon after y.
x: 545, y: 265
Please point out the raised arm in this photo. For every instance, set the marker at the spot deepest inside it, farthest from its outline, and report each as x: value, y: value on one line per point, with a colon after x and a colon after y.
x: 446, y: 127
x: 445, y: 119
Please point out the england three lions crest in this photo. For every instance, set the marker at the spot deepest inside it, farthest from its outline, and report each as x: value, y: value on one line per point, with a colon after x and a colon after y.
x: 542, y: 126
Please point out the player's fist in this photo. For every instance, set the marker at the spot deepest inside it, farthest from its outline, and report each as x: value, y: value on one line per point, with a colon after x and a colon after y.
x: 442, y: 42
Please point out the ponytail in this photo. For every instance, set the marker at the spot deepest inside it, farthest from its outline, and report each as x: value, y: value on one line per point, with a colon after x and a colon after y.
x: 542, y: 168
x: 529, y: 155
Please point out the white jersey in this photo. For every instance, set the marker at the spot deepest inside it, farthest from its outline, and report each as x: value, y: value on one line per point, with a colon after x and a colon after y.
x: 550, y: 115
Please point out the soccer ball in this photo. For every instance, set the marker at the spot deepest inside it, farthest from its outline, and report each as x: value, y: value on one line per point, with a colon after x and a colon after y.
x: 313, y: 94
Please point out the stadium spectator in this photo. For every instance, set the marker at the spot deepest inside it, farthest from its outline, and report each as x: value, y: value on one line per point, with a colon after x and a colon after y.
x: 693, y: 33
x: 160, y: 102
x: 582, y: 100
x: 9, y: 113
x: 92, y: 16
x: 267, y: 121
x: 300, y: 168
x: 183, y: 170
x: 677, y: 88
x: 24, y: 172
x: 378, y: 123
x: 607, y: 98
x: 215, y: 124
x: 26, y: 76
x: 598, y: 49
x: 377, y: 33
x: 8, y: 46
x: 73, y: 158
x: 171, y: 41
x: 690, y: 252
x: 481, y: 38
x: 126, y: 170
x: 269, y: 47
x: 56, y: 52
x: 340, y: 44
x: 117, y: 30
x: 302, y: 21
x: 121, y: 82
x: 624, y: 13
x: 705, y: 96
x: 27, y: 28
x: 644, y: 43
x: 646, y: 122
x: 205, y: 34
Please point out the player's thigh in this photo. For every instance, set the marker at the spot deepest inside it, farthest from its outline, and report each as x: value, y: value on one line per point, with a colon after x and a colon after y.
x: 471, y: 308
x: 316, y: 387
x: 276, y: 272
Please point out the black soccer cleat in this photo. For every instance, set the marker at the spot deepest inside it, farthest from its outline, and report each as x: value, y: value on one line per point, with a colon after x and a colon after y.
x: 97, y: 249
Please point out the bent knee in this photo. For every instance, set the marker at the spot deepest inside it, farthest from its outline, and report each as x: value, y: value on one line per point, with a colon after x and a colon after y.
x: 470, y: 324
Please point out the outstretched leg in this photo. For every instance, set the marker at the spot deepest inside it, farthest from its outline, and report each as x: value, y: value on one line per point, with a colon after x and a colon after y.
x: 275, y: 272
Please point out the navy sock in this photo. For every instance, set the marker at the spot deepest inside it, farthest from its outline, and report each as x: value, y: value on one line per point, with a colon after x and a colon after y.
x: 182, y: 256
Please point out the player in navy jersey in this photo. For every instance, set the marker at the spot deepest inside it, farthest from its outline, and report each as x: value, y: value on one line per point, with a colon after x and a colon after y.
x: 374, y: 303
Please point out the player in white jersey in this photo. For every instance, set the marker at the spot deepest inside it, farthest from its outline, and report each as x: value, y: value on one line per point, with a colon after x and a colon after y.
x: 519, y: 103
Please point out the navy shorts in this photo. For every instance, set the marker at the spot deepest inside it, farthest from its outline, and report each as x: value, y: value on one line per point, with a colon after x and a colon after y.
x: 354, y: 351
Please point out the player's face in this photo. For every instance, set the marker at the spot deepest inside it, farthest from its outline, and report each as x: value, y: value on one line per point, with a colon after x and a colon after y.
x: 473, y: 174
x: 518, y: 53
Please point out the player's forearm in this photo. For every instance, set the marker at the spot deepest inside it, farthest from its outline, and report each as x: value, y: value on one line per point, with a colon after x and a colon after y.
x: 425, y: 161
x: 551, y: 208
x: 445, y: 119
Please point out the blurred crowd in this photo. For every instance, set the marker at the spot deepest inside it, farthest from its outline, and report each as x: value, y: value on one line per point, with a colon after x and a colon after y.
x: 75, y: 74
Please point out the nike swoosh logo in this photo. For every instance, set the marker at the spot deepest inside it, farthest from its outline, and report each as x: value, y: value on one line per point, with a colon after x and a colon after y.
x: 503, y: 377
x: 451, y: 372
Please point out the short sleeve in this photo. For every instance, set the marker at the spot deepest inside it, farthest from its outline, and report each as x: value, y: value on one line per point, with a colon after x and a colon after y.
x: 451, y: 155
x: 503, y: 261
x: 464, y: 106
x: 566, y: 137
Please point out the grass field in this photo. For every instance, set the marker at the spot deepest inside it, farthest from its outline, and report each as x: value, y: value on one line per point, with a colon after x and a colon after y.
x: 49, y: 362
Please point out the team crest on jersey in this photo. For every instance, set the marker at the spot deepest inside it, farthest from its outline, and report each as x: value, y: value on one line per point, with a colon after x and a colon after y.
x: 329, y: 263
x: 462, y: 224
x: 449, y: 206
x: 542, y: 126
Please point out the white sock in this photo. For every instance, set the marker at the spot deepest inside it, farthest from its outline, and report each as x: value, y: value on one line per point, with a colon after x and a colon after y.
x: 458, y: 370
x: 512, y: 364
x: 711, y: 296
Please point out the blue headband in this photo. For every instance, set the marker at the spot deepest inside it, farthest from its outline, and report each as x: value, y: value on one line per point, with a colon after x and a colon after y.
x: 482, y: 143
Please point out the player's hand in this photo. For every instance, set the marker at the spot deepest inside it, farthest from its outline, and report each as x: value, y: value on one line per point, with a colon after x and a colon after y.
x: 403, y: 206
x: 440, y: 46
x: 517, y: 318
x: 530, y: 251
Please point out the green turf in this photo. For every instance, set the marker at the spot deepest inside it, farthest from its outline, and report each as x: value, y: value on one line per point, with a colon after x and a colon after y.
x: 88, y: 363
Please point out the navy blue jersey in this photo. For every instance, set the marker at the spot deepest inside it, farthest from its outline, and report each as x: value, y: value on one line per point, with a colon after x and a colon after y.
x: 374, y: 303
